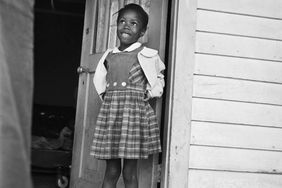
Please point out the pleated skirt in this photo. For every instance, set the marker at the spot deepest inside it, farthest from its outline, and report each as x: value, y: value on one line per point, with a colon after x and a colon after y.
x: 126, y: 127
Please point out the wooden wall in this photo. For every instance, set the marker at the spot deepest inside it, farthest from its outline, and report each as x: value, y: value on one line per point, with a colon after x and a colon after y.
x: 236, y: 129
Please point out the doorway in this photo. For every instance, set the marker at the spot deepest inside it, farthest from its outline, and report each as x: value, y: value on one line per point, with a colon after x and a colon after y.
x: 98, y: 35
x: 58, y: 30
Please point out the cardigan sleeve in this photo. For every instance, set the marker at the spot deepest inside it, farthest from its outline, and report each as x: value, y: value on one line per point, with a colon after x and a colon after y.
x: 157, y: 89
x: 99, y: 78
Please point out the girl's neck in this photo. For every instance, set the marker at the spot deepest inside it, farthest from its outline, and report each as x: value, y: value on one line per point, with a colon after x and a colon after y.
x: 123, y: 47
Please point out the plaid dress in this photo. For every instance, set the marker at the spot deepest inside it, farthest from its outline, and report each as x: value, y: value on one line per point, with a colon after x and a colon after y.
x: 126, y: 124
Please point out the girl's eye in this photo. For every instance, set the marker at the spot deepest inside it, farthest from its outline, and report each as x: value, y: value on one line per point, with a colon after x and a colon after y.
x: 134, y: 23
x: 122, y: 21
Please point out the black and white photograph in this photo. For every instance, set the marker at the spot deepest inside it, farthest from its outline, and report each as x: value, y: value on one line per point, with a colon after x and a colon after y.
x: 141, y: 94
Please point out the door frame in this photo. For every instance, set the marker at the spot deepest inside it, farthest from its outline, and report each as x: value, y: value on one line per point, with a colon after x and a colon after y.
x: 158, y: 41
x: 181, y: 61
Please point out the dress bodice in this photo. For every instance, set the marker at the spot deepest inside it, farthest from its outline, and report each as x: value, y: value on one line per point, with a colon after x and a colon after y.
x: 119, y: 67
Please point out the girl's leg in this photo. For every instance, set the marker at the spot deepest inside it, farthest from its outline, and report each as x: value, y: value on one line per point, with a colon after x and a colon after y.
x: 113, y: 169
x: 129, y: 173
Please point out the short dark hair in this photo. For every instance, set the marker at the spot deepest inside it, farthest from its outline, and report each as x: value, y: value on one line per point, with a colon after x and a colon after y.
x: 139, y: 10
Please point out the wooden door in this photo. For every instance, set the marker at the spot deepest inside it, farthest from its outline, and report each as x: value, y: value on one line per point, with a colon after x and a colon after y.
x: 100, y: 34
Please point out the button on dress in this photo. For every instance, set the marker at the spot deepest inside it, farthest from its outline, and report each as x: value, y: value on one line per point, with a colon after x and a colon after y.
x: 126, y: 125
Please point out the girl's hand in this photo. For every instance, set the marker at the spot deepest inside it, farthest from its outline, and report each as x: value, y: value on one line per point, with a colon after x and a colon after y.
x: 147, y: 96
x: 103, y: 95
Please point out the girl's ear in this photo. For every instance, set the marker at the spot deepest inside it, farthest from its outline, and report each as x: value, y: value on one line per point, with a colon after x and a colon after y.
x: 142, y: 33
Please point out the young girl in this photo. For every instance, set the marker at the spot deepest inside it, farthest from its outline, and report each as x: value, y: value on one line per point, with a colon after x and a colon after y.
x: 126, y: 78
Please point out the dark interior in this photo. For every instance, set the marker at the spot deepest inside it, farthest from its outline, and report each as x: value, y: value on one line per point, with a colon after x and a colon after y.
x: 58, y: 27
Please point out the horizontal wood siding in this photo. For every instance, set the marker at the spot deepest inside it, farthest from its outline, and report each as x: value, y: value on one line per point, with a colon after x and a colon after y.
x: 223, y: 179
x: 236, y: 112
x: 259, y: 8
x: 236, y: 130
x: 240, y: 160
x: 238, y: 68
x: 238, y: 46
x: 238, y: 90
x: 234, y: 136
x: 236, y: 24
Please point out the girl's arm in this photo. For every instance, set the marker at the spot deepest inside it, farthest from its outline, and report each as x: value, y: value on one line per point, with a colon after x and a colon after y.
x: 99, y: 78
x: 157, y: 89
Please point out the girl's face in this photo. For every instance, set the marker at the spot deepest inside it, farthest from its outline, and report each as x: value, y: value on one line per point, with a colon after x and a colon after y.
x: 129, y: 29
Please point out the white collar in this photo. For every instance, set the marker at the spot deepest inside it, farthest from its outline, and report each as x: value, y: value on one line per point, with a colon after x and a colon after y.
x: 132, y: 47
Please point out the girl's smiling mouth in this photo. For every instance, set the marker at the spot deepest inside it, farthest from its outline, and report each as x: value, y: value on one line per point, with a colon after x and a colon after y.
x: 125, y: 35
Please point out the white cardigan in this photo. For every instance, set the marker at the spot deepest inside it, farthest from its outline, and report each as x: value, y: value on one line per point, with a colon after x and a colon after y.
x: 151, y: 65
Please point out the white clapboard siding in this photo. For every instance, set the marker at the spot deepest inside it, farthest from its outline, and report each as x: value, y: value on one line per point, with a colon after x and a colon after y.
x: 237, y: 136
x: 242, y: 68
x: 236, y: 127
x: 217, y: 179
x: 230, y: 159
x: 238, y: 46
x: 236, y: 112
x: 239, y: 90
x: 239, y: 24
x: 265, y: 8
